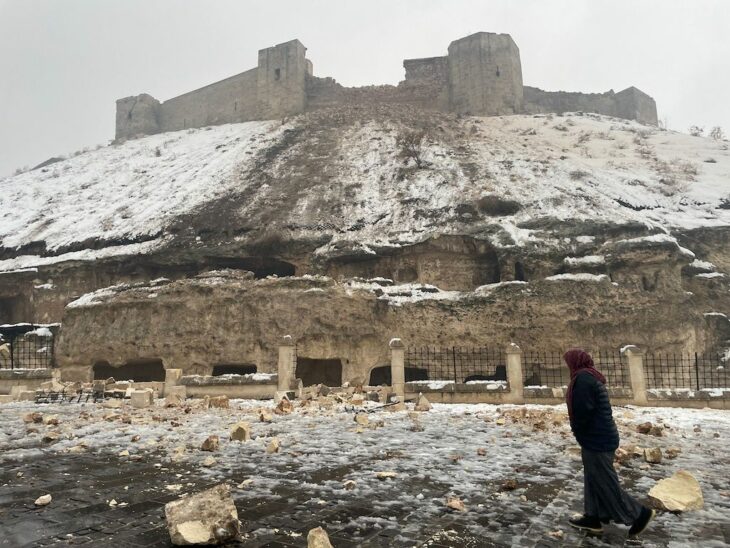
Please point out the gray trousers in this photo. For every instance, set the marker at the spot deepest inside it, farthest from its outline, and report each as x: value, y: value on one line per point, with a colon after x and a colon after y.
x: 604, y: 497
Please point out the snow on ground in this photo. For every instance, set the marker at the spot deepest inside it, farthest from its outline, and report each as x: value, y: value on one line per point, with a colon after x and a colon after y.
x: 571, y: 168
x: 128, y: 191
x: 433, y: 455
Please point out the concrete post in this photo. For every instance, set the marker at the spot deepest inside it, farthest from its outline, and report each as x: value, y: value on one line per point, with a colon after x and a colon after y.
x: 172, y: 378
x: 514, y: 374
x: 636, y: 374
x: 398, y: 368
x: 287, y: 364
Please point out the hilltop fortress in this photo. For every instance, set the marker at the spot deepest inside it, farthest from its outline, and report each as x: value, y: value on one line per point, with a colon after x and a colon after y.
x: 481, y: 76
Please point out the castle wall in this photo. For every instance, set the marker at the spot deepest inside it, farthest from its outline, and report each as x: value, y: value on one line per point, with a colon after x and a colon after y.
x: 481, y: 76
x: 485, y: 75
x: 230, y: 100
x: 630, y: 103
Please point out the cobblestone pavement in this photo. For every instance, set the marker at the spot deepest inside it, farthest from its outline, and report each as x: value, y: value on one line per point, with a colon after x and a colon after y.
x: 83, y: 485
x: 296, y: 494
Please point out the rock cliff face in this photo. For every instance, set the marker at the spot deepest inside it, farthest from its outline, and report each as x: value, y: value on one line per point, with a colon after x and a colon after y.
x: 620, y: 231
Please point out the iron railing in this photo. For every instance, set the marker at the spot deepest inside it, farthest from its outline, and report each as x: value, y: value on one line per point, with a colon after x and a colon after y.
x: 458, y: 364
x: 691, y: 371
x: 26, y: 347
x: 547, y: 368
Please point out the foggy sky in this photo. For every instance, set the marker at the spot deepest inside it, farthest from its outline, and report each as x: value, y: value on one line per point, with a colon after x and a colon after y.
x: 63, y: 63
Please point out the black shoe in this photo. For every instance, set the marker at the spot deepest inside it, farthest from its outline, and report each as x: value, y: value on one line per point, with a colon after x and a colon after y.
x: 642, y: 521
x: 587, y: 523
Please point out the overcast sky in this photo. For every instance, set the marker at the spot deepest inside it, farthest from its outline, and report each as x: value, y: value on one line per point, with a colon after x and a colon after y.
x: 63, y: 63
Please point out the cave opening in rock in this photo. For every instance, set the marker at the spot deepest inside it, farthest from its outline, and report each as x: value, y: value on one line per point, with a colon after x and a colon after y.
x: 500, y: 374
x: 260, y: 266
x: 138, y: 370
x: 233, y: 369
x: 15, y: 310
x: 520, y: 272
x: 326, y: 371
x: 382, y: 376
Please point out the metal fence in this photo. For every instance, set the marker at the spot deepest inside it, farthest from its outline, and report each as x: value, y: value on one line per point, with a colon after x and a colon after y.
x: 691, y: 371
x: 547, y: 368
x: 26, y: 347
x: 458, y: 363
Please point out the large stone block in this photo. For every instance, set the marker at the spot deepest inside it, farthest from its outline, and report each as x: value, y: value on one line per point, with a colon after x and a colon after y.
x: 679, y: 493
x: 175, y: 395
x: 141, y: 398
x: 208, y: 517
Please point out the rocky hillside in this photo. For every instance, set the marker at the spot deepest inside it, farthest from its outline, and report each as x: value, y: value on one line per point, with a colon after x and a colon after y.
x: 340, y: 182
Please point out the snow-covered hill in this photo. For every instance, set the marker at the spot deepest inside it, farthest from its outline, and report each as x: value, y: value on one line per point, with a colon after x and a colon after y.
x: 342, y: 174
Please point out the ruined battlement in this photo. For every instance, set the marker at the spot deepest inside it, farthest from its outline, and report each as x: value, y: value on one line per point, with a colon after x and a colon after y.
x: 481, y: 76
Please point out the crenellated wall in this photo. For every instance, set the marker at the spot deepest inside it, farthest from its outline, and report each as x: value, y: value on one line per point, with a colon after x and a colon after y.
x: 480, y: 76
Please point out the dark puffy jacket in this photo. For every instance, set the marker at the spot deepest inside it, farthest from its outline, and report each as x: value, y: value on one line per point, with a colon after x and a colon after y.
x: 592, y: 422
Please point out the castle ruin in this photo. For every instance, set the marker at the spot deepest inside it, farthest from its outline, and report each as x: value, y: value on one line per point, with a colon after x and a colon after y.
x: 480, y: 76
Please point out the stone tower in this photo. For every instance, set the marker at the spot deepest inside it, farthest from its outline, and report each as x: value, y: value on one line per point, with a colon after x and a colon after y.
x: 485, y: 75
x: 281, y: 77
x: 137, y: 115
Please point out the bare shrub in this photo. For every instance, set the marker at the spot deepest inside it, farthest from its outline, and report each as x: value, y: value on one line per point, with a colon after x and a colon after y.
x: 717, y: 134
x: 411, y: 146
x: 696, y: 131
x: 584, y: 137
x: 578, y: 175
x: 494, y: 206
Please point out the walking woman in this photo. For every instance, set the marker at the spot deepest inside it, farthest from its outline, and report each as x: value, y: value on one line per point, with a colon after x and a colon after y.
x: 593, y: 427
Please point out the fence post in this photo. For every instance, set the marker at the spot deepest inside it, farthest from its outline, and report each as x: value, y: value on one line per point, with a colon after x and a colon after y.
x: 514, y: 374
x: 398, y: 368
x: 286, y: 368
x: 636, y: 374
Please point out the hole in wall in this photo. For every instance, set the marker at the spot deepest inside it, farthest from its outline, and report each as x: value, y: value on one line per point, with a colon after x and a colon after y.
x: 277, y: 74
x: 138, y: 370
x: 233, y: 369
x: 520, y: 272
x: 326, y: 371
x: 500, y: 374
x: 381, y: 375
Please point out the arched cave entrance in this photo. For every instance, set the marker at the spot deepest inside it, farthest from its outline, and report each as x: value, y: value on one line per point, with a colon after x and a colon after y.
x: 138, y: 370
x: 381, y: 375
x: 520, y: 272
x: 326, y: 371
x: 500, y: 374
x: 233, y: 369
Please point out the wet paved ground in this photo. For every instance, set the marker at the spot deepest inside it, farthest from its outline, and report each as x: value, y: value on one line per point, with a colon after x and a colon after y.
x: 83, y: 485
x: 298, y: 498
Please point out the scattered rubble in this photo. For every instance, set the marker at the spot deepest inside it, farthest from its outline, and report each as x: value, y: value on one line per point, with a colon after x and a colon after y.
x: 422, y: 403
x: 678, y: 493
x: 455, y: 503
x: 273, y: 446
x: 386, y: 475
x: 210, y: 444
x: 43, y: 500
x: 318, y: 538
x: 208, y: 517
x: 653, y: 455
x: 219, y: 402
x: 241, y: 431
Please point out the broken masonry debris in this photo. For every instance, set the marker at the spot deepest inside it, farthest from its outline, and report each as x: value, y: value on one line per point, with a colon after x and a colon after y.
x: 679, y: 493
x: 208, y: 517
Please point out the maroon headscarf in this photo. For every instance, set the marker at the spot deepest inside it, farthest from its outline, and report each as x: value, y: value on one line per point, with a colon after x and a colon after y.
x: 579, y: 361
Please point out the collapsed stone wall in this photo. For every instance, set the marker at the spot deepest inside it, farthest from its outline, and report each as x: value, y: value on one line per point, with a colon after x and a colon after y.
x: 631, y: 103
x: 480, y: 76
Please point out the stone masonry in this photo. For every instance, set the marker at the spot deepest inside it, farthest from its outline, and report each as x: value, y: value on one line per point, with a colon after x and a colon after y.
x: 480, y: 76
